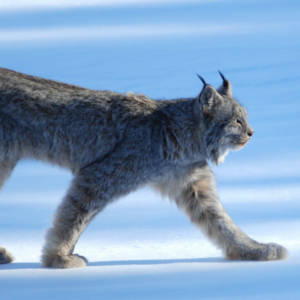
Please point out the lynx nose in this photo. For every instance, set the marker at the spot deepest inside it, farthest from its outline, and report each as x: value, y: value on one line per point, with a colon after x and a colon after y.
x: 250, y: 132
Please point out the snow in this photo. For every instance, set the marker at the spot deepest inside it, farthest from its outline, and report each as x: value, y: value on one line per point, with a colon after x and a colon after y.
x: 58, y: 4
x: 127, y: 31
x: 142, y: 247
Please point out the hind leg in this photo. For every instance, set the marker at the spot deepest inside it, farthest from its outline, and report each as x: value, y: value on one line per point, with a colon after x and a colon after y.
x: 6, y: 168
x: 92, y: 189
x: 70, y: 221
x: 72, y: 217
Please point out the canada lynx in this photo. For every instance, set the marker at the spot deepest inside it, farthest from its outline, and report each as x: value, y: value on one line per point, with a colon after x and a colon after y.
x: 114, y: 144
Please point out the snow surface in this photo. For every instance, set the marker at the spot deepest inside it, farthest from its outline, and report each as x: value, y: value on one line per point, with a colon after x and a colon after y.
x: 142, y: 247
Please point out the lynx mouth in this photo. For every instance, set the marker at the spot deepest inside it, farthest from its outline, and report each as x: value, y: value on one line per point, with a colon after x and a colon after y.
x: 241, y: 145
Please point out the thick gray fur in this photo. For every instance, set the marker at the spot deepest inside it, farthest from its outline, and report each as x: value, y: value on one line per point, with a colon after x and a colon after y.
x: 114, y: 144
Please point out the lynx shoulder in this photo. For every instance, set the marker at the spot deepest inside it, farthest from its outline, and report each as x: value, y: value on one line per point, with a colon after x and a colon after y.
x: 115, y: 143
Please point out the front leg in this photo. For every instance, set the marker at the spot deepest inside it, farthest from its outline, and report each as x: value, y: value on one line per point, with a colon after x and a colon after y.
x: 197, y: 196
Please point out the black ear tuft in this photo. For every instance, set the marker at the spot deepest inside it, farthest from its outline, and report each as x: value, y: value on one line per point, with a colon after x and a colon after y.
x: 201, y: 78
x: 223, y: 77
x: 225, y: 81
x: 225, y: 88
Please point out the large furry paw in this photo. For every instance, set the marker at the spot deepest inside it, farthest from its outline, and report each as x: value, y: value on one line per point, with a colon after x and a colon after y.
x: 5, y: 256
x: 64, y: 262
x: 273, y: 252
x: 262, y: 252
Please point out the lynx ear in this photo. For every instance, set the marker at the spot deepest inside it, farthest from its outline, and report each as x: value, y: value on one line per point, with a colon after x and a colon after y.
x: 225, y: 88
x: 208, y: 98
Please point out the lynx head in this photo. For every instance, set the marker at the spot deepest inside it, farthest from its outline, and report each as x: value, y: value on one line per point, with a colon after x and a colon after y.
x: 226, y: 124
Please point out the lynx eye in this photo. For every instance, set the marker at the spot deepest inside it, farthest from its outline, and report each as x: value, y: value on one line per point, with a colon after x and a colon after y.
x: 238, y: 121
